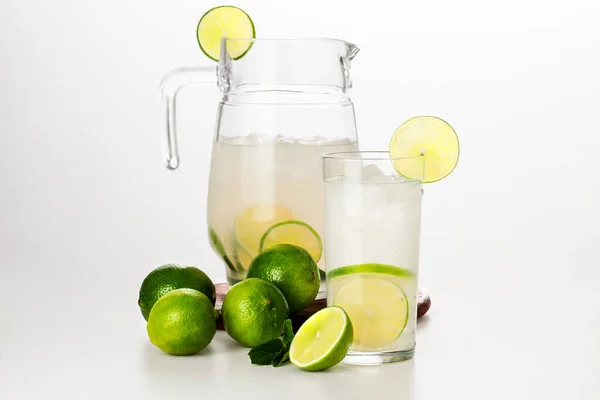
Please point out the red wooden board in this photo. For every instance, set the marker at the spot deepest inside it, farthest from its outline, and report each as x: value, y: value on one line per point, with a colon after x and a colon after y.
x: 423, y: 305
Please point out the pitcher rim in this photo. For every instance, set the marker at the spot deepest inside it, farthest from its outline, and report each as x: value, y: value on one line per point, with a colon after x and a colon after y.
x: 292, y: 39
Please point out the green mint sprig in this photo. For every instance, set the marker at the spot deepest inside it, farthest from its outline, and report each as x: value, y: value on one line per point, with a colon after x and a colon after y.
x: 275, y: 352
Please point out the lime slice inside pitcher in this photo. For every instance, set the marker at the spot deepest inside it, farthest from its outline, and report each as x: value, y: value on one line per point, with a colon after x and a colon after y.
x: 251, y: 225
x: 429, y: 137
x: 293, y: 232
x: 243, y: 260
x: 225, y: 21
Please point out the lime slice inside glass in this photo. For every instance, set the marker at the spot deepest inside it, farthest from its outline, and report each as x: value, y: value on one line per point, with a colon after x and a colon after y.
x: 293, y: 232
x: 377, y: 307
x: 323, y: 340
x: 429, y: 137
x: 225, y: 21
x: 371, y: 268
x: 251, y: 225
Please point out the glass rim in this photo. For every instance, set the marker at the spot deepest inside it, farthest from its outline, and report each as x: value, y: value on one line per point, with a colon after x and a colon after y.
x: 371, y: 155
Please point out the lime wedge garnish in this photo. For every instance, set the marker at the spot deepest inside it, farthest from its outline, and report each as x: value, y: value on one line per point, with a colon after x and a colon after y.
x: 377, y: 307
x: 371, y: 268
x: 429, y: 137
x: 323, y: 340
x: 251, y: 225
x: 225, y: 21
x: 293, y: 232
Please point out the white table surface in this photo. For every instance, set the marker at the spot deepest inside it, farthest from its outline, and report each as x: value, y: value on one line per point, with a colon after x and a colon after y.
x: 509, y: 241
x: 512, y: 335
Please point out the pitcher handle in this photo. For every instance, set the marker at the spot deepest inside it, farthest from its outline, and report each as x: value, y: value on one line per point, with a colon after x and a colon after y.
x: 169, y: 87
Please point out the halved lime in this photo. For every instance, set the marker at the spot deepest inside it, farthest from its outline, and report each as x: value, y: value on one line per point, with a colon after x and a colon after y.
x: 430, y: 137
x: 225, y: 21
x: 371, y: 268
x: 293, y: 232
x: 377, y: 307
x: 251, y: 225
x: 323, y: 340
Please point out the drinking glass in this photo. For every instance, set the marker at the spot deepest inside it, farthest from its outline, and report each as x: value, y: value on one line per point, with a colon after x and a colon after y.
x: 372, y: 234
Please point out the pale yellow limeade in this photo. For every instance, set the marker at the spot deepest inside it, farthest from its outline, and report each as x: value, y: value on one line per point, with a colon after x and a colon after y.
x: 373, y: 228
x: 259, y: 181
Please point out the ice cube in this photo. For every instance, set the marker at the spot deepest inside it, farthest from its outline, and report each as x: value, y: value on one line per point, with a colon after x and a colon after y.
x: 372, y: 174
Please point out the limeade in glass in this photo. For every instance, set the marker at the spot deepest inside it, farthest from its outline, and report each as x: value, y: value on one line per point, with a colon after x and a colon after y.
x: 372, y: 232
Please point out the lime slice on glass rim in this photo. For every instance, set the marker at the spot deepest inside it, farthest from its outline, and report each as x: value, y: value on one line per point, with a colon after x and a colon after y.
x: 225, y: 21
x: 323, y: 340
x: 377, y: 307
x: 429, y: 137
x: 293, y: 232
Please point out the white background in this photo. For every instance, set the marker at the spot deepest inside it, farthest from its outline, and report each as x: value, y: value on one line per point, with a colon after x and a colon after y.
x: 509, y: 241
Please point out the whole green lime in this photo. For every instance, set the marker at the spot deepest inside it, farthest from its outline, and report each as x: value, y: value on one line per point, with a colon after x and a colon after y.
x: 182, y: 322
x: 292, y: 270
x: 254, y: 312
x: 170, y: 277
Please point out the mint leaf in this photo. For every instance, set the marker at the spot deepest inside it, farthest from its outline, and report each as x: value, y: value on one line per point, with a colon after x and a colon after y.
x: 275, y: 352
x: 265, y: 353
x: 288, y: 332
x: 281, y: 358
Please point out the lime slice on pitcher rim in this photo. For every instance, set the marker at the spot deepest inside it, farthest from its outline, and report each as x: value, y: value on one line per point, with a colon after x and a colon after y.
x: 425, y: 148
x: 323, y: 340
x: 377, y: 307
x: 293, y: 232
x: 225, y: 21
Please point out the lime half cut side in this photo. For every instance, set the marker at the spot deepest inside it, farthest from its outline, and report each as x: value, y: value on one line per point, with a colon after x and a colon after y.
x: 377, y: 307
x: 297, y: 233
x: 323, y: 340
x: 229, y: 22
x: 433, y: 139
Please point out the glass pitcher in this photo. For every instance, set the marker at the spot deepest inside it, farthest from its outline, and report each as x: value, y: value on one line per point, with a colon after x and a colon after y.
x: 285, y: 102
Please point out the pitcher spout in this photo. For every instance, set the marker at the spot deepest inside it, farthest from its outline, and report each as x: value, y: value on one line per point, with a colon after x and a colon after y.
x: 352, y: 51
